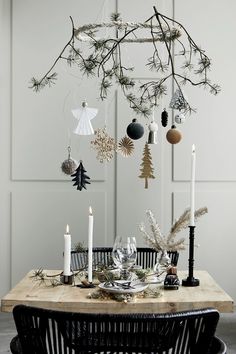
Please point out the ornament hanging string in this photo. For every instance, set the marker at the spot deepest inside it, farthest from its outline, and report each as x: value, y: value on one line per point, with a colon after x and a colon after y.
x: 65, y: 117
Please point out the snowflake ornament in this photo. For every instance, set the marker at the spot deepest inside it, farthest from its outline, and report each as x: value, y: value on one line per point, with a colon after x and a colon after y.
x: 104, y: 144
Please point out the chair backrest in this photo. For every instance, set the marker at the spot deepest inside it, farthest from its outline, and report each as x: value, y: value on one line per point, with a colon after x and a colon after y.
x: 146, y: 257
x: 44, y: 331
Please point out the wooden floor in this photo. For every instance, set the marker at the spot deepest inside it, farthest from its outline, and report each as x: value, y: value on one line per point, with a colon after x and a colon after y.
x: 226, y: 330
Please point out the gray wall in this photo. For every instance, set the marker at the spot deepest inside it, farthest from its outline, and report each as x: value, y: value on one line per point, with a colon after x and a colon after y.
x: 37, y: 200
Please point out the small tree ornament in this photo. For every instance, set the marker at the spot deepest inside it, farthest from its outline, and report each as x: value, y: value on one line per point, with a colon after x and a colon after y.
x: 69, y: 165
x: 179, y: 101
x: 80, y: 178
x: 146, y: 165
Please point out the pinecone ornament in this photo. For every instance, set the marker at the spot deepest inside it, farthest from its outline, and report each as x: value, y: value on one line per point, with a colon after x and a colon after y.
x: 164, y: 118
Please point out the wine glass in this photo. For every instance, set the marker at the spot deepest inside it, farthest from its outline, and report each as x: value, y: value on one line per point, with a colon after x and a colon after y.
x: 124, y: 254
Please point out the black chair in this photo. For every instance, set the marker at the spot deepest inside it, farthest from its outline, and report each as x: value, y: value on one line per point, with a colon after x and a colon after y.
x: 146, y: 257
x: 42, y: 331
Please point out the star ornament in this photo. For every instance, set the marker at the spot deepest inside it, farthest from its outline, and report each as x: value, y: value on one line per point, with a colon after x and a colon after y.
x: 104, y: 144
x: 84, y: 115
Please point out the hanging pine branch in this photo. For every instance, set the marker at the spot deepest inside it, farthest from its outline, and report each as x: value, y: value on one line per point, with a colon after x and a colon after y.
x: 105, y: 60
x: 80, y: 178
x: 146, y: 169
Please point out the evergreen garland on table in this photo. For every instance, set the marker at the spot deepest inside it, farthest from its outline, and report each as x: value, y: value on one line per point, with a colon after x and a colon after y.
x: 80, y: 178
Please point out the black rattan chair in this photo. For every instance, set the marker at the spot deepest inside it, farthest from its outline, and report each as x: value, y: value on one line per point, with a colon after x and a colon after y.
x: 43, y: 331
x: 146, y: 257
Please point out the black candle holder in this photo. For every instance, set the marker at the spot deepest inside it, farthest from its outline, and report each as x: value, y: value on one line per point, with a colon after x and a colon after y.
x: 67, y: 279
x: 190, y: 280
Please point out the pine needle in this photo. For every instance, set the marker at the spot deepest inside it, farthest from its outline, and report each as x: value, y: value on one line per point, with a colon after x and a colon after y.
x: 168, y: 243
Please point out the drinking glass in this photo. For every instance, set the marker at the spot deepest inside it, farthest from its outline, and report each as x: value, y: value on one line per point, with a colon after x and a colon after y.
x: 124, y: 254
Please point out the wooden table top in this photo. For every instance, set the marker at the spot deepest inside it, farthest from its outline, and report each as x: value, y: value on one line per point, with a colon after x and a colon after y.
x: 70, y: 298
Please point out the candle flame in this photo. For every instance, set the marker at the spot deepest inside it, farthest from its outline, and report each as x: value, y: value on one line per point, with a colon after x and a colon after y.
x: 90, y: 211
x: 193, y: 148
x: 67, y: 229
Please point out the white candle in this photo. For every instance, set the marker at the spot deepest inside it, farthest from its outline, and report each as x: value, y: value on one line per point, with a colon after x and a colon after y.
x: 192, y: 191
x: 67, y: 252
x: 90, y: 246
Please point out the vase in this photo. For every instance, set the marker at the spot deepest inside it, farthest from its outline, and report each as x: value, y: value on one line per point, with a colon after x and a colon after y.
x: 162, y: 263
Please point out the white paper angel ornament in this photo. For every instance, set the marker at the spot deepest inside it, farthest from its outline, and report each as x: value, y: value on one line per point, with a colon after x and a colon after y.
x: 84, y: 116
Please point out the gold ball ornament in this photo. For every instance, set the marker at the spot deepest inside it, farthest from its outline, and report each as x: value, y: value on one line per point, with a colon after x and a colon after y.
x: 173, y: 135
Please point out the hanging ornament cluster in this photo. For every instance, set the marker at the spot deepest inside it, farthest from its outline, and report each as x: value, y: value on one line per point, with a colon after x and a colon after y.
x: 173, y: 135
x: 104, y: 144
x: 84, y: 116
x: 69, y: 165
x: 125, y: 146
x: 146, y: 165
x: 80, y: 178
x: 164, y: 118
x: 135, y: 130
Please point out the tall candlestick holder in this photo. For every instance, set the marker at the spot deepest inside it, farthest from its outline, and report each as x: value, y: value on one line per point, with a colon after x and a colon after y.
x: 190, y: 280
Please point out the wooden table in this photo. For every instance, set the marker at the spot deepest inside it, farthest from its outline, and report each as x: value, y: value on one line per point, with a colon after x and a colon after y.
x: 69, y: 298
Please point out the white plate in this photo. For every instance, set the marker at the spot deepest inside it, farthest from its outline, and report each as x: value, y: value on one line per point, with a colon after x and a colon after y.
x: 135, y: 287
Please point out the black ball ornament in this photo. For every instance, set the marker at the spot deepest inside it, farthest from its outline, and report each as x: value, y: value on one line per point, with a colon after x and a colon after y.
x: 135, y: 130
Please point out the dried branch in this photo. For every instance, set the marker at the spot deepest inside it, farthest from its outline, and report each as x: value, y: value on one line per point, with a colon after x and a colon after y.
x: 168, y: 243
x: 105, y: 60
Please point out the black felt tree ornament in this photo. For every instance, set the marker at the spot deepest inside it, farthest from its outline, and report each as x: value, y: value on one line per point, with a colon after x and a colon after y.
x: 80, y: 178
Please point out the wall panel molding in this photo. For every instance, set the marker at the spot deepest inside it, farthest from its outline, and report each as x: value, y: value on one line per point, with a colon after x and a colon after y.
x: 38, y: 225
